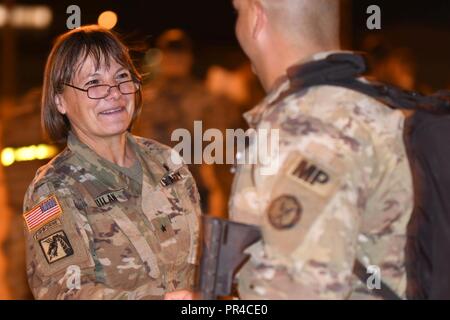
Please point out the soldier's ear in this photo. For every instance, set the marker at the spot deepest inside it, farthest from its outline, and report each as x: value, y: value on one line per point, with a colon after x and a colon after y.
x: 60, y: 105
x: 259, y: 17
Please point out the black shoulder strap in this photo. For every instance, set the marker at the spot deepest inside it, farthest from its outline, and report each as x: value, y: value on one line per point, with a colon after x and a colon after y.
x: 384, y: 292
x: 344, y: 69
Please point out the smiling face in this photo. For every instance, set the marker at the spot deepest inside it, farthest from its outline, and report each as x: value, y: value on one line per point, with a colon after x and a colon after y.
x: 95, y: 119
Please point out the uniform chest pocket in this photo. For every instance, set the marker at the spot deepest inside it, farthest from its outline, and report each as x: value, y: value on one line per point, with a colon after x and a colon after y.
x: 170, y: 224
x: 116, y: 256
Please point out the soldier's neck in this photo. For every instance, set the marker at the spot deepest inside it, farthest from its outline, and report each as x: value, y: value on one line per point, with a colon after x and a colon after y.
x: 289, y: 58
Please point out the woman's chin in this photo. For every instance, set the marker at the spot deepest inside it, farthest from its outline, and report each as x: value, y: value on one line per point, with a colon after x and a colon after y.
x: 114, y: 126
x: 113, y: 130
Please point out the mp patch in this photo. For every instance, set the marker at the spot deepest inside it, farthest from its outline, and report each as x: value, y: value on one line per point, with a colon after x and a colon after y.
x: 313, y: 176
x: 56, y: 247
x: 284, y: 212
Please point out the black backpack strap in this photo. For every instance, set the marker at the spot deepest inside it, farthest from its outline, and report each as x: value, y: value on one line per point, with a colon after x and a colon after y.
x: 395, y: 97
x: 384, y: 292
x: 344, y: 69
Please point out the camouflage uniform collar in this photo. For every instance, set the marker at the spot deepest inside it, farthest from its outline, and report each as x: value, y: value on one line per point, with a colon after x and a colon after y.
x: 94, y: 162
x: 151, y: 166
x: 76, y: 144
x: 79, y: 147
x: 254, y: 116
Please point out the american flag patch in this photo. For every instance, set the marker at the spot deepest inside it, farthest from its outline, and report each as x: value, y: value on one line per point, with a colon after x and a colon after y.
x: 44, y: 212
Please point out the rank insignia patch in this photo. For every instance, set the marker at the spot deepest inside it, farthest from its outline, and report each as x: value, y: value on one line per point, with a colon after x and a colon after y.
x: 56, y: 247
x: 284, y: 212
x: 44, y: 212
x: 171, y: 178
x: 163, y: 228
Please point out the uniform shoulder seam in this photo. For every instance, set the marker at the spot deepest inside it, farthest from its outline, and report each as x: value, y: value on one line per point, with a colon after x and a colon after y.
x: 46, y: 173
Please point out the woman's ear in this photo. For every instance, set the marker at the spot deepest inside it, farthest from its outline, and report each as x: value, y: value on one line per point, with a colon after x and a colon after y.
x: 259, y: 18
x: 60, y: 104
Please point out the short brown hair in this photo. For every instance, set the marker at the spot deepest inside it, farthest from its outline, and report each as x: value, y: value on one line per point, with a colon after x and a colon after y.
x: 67, y: 56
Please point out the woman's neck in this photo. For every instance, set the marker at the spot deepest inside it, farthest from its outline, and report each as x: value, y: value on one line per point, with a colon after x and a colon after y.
x: 115, y: 149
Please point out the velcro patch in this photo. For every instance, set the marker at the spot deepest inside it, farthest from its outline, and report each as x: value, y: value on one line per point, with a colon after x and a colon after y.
x: 44, y: 212
x: 163, y: 228
x: 56, y: 247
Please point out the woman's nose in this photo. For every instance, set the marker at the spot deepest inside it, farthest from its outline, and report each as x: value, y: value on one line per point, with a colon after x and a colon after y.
x: 114, y: 93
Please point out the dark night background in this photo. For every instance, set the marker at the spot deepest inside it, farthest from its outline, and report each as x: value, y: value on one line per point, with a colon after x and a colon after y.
x: 421, y: 28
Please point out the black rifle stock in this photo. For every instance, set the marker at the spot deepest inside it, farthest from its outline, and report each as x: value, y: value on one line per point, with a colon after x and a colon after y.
x: 223, y: 243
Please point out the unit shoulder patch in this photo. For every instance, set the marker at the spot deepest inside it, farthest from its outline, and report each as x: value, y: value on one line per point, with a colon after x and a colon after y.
x: 284, y: 212
x: 56, y: 247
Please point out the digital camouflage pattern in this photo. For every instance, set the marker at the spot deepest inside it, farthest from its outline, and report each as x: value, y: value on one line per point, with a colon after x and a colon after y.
x: 131, y: 238
x: 342, y: 190
x: 172, y: 104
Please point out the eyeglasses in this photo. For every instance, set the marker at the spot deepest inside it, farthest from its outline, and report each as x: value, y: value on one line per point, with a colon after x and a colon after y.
x: 102, y: 91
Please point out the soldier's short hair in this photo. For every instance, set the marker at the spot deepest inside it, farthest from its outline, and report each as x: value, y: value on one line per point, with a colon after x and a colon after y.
x: 67, y: 56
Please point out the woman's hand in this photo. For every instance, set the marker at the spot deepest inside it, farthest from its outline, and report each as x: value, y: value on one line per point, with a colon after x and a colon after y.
x: 179, y: 295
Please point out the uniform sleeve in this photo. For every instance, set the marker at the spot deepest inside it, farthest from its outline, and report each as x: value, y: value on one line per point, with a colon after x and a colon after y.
x: 312, y: 218
x: 60, y: 264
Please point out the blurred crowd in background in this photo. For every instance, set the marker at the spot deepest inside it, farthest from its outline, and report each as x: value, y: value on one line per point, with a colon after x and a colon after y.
x: 174, y: 96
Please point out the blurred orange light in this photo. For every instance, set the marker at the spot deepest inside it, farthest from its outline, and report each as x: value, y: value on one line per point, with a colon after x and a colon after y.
x: 33, y: 17
x: 3, y: 15
x: 107, y: 19
x: 8, y: 156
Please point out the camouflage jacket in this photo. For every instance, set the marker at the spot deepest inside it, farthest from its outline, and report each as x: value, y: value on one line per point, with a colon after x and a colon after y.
x: 92, y: 232
x: 339, y: 188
